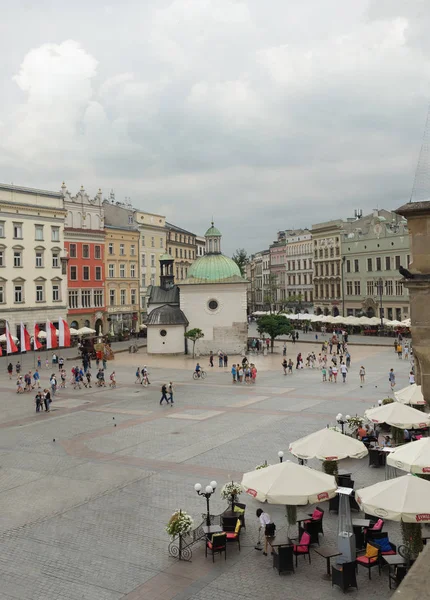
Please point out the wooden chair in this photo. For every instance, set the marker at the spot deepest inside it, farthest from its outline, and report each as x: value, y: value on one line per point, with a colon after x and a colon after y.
x: 217, y: 545
x: 344, y: 576
x: 283, y: 559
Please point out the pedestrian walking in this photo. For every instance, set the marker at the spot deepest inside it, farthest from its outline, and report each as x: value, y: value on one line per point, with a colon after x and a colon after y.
x: 112, y: 378
x: 39, y: 401
x: 240, y: 373
x: 406, y: 351
x: 362, y: 374
x: 145, y: 376
x: 290, y: 366
x: 63, y: 378
x: 18, y: 368
x: 39, y: 362
x: 225, y: 359
x: 330, y: 374
x: 170, y: 390
x: 19, y: 385
x: 411, y: 378
x: 234, y: 373
x: 334, y: 372
x: 284, y: 349
x: 211, y: 358
x: 164, y: 394
x: 324, y: 374
x: 299, y: 360
x: 266, y: 525
x: 88, y: 376
x: 53, y: 384
x: 220, y: 358
x: 253, y: 373
x: 399, y: 351
x: 138, y: 379
x: 344, y: 371
x: 10, y: 370
x: 392, y: 378
x: 47, y: 400
x: 285, y: 365
x: 60, y: 363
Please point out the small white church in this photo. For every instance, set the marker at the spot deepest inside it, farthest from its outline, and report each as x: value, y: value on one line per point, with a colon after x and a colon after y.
x: 212, y: 298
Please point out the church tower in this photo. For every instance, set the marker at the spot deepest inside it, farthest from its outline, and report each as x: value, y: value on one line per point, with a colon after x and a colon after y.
x: 213, y: 240
x: 167, y: 279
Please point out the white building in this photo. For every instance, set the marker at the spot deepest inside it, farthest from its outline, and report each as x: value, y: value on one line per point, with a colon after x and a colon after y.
x: 299, y: 267
x: 33, y: 267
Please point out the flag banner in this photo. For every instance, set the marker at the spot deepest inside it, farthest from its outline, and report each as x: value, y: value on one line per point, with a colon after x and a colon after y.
x: 25, y: 339
x: 51, y: 336
x: 36, y: 343
x: 63, y: 334
x: 10, y: 344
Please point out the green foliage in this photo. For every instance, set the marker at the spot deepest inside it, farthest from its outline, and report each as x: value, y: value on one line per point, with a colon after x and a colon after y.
x: 411, y: 533
x: 273, y: 325
x: 330, y: 467
x: 240, y: 257
x: 193, y: 335
x: 397, y: 436
x: 387, y: 401
x: 291, y: 514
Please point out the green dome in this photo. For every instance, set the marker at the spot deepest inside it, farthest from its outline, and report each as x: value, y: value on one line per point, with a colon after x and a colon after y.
x: 214, y: 268
x: 213, y: 232
x: 166, y: 256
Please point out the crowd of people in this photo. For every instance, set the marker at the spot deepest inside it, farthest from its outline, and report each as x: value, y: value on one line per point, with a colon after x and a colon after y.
x: 244, y: 372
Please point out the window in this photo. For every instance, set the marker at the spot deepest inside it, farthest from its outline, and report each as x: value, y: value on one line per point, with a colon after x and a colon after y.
x: 143, y: 284
x: 349, y: 288
x: 152, y: 280
x: 55, y: 292
x: 143, y: 240
x: 122, y: 270
x: 398, y: 314
x: 153, y: 242
x: 39, y: 259
x: 152, y: 260
x: 98, y: 298
x: 357, y: 288
x: 73, y: 273
x: 180, y: 252
x: 17, y: 231
x: 161, y: 242
x: 369, y: 264
x: 110, y: 249
x: 85, y: 251
x: 370, y: 288
x: 132, y: 270
x: 163, y: 333
x: 408, y: 260
x: 122, y: 297
x: 111, y: 270
x: 378, y: 263
x: 399, y: 288
x: 356, y: 265
x: 2, y: 262
x: 55, y: 260
x: 72, y: 250
x: 18, y: 293
x: 86, y: 273
x: 143, y: 257
x: 17, y: 258
x: 132, y: 250
x: 55, y: 234
x: 388, y: 287
x: 348, y: 266
x: 98, y: 273
x: 2, y: 229
x: 38, y: 233
x: 73, y: 299
x: 133, y: 296
x: 388, y: 263
x: 397, y: 262
x: 130, y: 219
x: 122, y: 250
x: 213, y: 304
x: 2, y: 295
x: 97, y: 252
x: 86, y: 298
x: 112, y: 297
x: 176, y: 253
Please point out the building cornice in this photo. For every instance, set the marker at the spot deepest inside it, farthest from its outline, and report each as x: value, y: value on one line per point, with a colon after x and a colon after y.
x: 32, y: 208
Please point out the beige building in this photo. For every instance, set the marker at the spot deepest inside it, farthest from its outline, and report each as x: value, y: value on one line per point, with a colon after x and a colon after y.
x: 182, y: 247
x: 327, y: 278
x: 299, y: 268
x: 33, y: 266
x: 122, y: 278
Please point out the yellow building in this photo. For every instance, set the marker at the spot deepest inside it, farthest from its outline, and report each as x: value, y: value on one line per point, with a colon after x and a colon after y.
x: 122, y: 278
x: 182, y: 246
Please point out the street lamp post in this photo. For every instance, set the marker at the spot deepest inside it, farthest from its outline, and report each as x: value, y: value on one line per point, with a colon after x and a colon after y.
x: 209, y: 490
x: 280, y: 456
x: 342, y: 421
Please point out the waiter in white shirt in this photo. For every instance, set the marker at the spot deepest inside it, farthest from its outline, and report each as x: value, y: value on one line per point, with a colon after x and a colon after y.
x: 267, y: 525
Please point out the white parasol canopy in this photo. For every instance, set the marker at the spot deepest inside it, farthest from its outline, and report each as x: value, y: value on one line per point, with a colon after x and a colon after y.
x: 289, y: 483
x: 413, y: 457
x: 405, y: 498
x: 86, y: 331
x: 327, y: 444
x: 411, y: 394
x: 398, y: 415
x: 3, y: 337
x: 73, y: 331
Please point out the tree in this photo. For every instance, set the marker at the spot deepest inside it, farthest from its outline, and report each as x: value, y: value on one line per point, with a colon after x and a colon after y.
x: 240, y: 257
x: 273, y: 325
x: 271, y: 291
x: 194, y: 335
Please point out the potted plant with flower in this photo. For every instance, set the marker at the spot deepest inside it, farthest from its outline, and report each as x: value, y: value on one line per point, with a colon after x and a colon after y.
x: 180, y: 523
x: 230, y: 492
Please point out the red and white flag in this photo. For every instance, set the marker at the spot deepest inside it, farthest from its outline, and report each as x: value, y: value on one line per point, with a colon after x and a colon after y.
x: 10, y: 344
x: 63, y: 334
x: 25, y: 338
x: 36, y: 344
x: 51, y: 336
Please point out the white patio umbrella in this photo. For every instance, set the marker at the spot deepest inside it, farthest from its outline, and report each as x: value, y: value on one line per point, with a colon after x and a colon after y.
x: 327, y: 444
x: 405, y: 498
x: 398, y: 415
x: 413, y: 457
x: 406, y: 323
x: 86, y: 331
x: 411, y: 394
x: 73, y: 331
x: 289, y: 483
x: 3, y: 337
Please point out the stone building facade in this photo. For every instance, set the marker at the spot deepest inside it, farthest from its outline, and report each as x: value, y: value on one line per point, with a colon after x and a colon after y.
x: 299, y: 269
x: 327, y: 277
x: 182, y: 246
x: 277, y: 252
x: 33, y: 273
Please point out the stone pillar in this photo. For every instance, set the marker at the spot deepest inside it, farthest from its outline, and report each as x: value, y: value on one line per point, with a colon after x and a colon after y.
x: 417, y: 280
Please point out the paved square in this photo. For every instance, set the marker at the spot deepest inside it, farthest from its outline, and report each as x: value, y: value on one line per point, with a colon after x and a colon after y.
x: 83, y: 517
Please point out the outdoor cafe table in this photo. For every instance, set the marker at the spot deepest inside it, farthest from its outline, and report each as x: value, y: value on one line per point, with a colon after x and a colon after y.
x: 327, y: 552
x: 281, y: 539
x: 211, y: 529
x: 358, y: 526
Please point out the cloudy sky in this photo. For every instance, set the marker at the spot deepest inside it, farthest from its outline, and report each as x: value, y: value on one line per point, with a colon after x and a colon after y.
x: 265, y: 114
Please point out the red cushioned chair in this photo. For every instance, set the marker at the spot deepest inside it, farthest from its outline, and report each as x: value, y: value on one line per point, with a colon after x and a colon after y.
x: 380, y: 535
x: 217, y: 545
x: 302, y: 548
x: 369, y: 563
x: 234, y: 536
x: 375, y: 528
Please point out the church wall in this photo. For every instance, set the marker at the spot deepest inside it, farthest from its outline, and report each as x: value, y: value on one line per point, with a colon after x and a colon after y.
x: 226, y: 327
x: 172, y: 343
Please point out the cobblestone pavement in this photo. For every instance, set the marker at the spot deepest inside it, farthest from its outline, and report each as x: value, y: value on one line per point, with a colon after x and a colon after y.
x: 86, y: 490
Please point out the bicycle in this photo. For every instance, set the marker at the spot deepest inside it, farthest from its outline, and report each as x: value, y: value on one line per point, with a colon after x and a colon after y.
x: 199, y: 374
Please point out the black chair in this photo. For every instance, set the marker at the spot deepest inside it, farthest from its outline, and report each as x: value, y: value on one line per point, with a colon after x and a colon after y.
x: 228, y: 523
x: 379, y: 535
x: 313, y: 528
x: 369, y: 563
x: 217, y: 545
x: 240, y: 516
x: 303, y: 547
x: 396, y: 577
x: 283, y: 559
x: 344, y: 576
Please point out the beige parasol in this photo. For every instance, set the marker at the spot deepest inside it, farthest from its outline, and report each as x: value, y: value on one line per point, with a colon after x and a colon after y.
x: 327, y: 444
x: 398, y: 415
x: 412, y: 394
x: 413, y: 457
